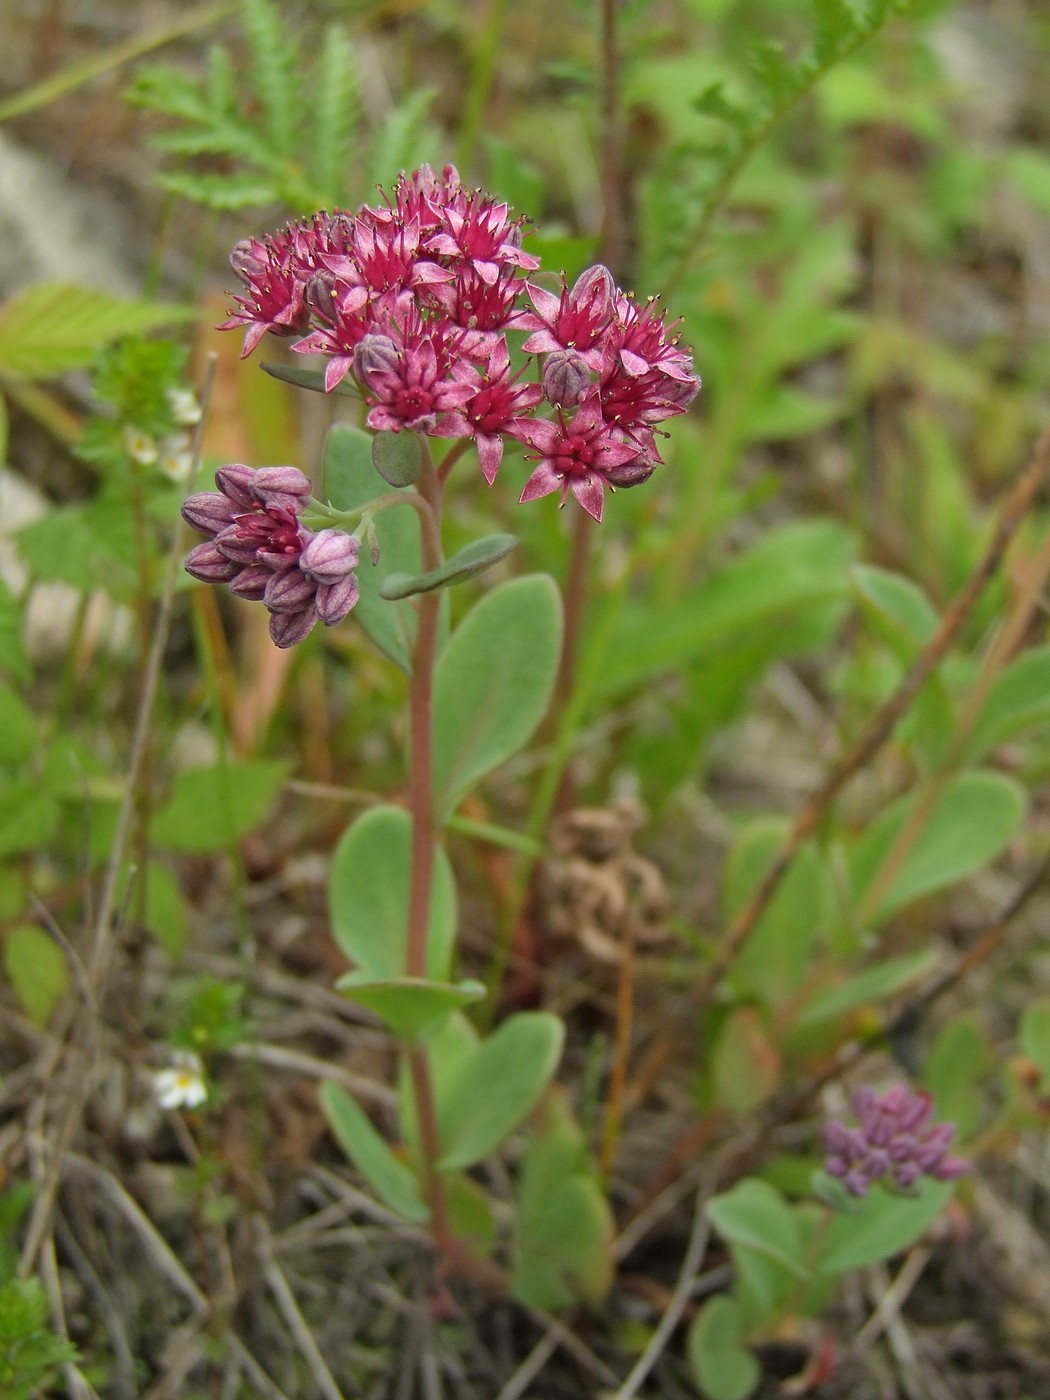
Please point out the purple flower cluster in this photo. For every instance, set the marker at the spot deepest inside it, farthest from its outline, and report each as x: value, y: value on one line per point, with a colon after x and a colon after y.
x: 895, y: 1138
x: 259, y: 547
x: 415, y: 297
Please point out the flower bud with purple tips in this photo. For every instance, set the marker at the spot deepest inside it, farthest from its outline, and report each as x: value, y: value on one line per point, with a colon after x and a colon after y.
x: 895, y: 1138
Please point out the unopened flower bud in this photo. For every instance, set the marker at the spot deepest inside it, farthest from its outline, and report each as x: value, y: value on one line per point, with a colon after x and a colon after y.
x: 251, y: 582
x: 320, y: 296
x: 235, y: 482
x: 283, y: 487
x: 596, y: 287
x: 372, y: 537
x: 289, y: 591
x: 205, y: 563
x: 631, y: 473
x: 566, y: 378
x: 330, y: 556
x: 245, y: 260
x: 289, y: 629
x: 208, y: 512
x: 334, y: 600
x: 374, y: 354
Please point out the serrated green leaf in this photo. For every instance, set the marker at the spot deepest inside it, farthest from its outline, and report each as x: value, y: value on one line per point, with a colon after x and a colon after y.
x: 391, y: 1179
x: 335, y: 116
x: 58, y: 326
x: 274, y: 75
x: 489, y: 694
x: 368, y: 897
x: 211, y: 808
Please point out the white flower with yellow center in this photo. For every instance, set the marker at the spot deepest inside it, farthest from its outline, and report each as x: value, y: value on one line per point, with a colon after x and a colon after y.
x: 182, y: 1085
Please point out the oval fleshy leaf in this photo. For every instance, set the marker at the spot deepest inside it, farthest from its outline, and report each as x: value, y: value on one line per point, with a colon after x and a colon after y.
x: 397, y: 457
x: 409, y: 1005
x: 472, y: 559
x: 368, y: 897
x: 493, y: 681
x: 392, y: 1180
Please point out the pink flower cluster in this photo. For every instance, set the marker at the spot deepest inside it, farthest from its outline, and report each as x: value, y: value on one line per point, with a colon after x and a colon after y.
x: 895, y: 1138
x: 414, y: 299
x: 259, y: 547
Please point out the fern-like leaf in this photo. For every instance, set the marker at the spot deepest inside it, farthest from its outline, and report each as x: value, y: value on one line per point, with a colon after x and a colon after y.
x: 336, y: 117
x: 275, y: 75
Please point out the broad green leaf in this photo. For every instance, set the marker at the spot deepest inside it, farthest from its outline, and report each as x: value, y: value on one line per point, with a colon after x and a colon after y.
x: 896, y: 606
x: 874, y: 984
x: 774, y: 961
x: 493, y: 681
x: 28, y: 817
x: 472, y: 559
x: 497, y: 1087
x: 973, y: 821
x: 391, y: 1179
x: 409, y: 1005
x: 755, y: 1214
x: 398, y: 458
x: 449, y: 1044
x: 1019, y: 699
x: 211, y: 808
x: 792, y: 568
x: 58, y: 326
x: 89, y: 545
x: 785, y: 412
x: 350, y: 480
x: 563, y: 1227
x: 18, y: 736
x: 1033, y: 1036
x: 470, y: 1213
x: 882, y: 1225
x: 958, y: 1070
x: 37, y: 969
x: 722, y: 1366
x: 368, y: 897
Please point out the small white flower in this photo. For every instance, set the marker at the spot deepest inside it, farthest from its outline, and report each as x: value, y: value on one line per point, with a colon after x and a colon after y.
x: 181, y: 1086
x: 185, y: 408
x: 139, y: 446
x: 175, y: 457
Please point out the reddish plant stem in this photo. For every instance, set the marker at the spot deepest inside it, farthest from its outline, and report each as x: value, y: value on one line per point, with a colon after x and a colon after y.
x: 424, y: 841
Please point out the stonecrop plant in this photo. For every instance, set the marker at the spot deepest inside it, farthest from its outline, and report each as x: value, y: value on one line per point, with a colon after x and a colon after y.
x: 426, y: 309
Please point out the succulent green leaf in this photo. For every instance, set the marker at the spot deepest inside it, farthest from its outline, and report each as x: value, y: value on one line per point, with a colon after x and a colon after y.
x: 392, y: 1180
x: 886, y: 979
x: 497, y: 1086
x: 722, y: 1365
x: 755, y: 1214
x: 472, y: 559
x: 398, y: 458
x: 312, y: 379
x: 972, y: 822
x: 409, y: 1005
x: 882, y: 1225
x: 493, y: 681
x: 368, y: 897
